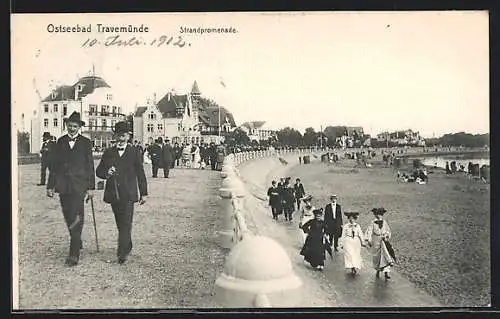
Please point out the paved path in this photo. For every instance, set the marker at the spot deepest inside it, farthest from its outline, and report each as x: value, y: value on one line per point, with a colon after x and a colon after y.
x: 175, y: 260
x: 333, y: 287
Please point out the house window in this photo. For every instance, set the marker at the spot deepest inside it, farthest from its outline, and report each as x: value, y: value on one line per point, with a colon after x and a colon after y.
x: 91, y: 124
x: 109, y: 96
x: 55, y: 122
x: 45, y: 122
x: 179, y: 127
x: 56, y: 108
x: 152, y: 116
x: 104, y: 124
x: 150, y: 127
x: 46, y: 108
x: 160, y: 127
x: 104, y: 110
x: 65, y: 109
x: 92, y: 109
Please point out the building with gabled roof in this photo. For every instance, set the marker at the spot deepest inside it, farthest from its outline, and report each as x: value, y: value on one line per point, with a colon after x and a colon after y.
x: 92, y: 97
x: 181, y: 118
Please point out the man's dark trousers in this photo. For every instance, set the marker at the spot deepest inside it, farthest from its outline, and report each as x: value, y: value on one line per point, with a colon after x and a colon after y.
x: 155, y: 164
x: 124, y: 213
x: 166, y: 169
x: 43, y: 173
x: 73, y: 210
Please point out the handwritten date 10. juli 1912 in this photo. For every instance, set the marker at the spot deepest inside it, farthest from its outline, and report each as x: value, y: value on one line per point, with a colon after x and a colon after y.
x: 118, y: 41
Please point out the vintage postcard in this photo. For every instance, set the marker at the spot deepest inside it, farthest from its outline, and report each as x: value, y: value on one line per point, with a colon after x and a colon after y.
x: 247, y: 160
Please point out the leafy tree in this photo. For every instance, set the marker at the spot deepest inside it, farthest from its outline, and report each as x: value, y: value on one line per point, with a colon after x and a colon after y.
x: 23, y: 143
x: 237, y: 137
x: 310, y: 137
x: 289, y: 137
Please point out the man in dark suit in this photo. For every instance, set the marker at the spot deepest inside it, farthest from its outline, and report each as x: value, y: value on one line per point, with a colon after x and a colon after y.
x: 155, y: 153
x: 333, y: 221
x: 122, y: 167
x: 274, y: 199
x: 168, y: 157
x: 73, y: 177
x: 47, y: 153
x: 212, y: 153
x: 178, y: 154
x: 298, y: 190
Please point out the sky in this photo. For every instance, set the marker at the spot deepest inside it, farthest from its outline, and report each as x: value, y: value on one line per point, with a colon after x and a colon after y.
x: 427, y: 71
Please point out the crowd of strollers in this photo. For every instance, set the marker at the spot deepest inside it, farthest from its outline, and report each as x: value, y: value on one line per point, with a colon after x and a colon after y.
x: 323, y: 231
x: 161, y: 154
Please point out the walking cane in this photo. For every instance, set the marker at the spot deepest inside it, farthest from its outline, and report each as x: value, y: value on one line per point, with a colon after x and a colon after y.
x: 95, y: 225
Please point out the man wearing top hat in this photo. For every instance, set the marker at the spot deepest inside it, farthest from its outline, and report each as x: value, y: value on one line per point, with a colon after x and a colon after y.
x: 121, y: 166
x: 333, y: 221
x: 73, y: 177
x: 156, y: 154
x: 46, y: 153
x: 167, y: 156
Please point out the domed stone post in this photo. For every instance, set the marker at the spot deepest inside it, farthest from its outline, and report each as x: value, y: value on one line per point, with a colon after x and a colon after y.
x: 258, y: 273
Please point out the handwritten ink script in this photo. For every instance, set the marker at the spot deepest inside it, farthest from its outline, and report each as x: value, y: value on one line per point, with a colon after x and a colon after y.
x: 120, y: 41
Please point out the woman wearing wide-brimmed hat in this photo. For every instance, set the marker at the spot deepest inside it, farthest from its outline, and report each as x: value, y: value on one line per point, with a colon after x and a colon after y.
x: 314, y: 246
x: 378, y: 234
x: 306, y: 214
x: 352, y: 240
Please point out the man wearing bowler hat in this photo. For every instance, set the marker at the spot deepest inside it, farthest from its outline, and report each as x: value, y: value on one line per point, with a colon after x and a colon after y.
x: 168, y: 156
x: 333, y: 221
x: 73, y: 177
x: 121, y: 166
x: 47, y: 154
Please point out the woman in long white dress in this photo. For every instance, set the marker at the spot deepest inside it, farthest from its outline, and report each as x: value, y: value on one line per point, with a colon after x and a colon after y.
x: 351, y: 241
x: 306, y: 214
x: 196, y: 158
x: 378, y: 234
x: 186, y: 155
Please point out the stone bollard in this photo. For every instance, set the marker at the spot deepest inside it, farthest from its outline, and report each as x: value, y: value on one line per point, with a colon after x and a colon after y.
x: 236, y: 186
x: 258, y: 273
x: 227, y: 169
x: 226, y: 233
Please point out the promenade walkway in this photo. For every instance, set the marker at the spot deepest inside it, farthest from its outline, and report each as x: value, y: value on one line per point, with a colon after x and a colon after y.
x: 174, y: 263
x: 331, y: 287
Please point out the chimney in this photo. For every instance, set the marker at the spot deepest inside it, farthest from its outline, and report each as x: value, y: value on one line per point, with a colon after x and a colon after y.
x: 78, y: 89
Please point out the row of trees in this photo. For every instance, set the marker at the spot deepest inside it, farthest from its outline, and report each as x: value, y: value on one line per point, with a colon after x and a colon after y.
x: 460, y: 139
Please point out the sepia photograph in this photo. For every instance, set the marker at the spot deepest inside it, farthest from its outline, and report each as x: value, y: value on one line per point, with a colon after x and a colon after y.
x: 250, y: 160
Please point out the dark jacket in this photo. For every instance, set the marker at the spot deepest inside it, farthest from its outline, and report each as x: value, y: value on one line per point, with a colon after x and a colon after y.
x: 334, y: 226
x: 298, y: 190
x: 274, y: 197
x: 155, y: 152
x: 168, y: 154
x: 72, y: 169
x: 47, y: 151
x: 129, y: 174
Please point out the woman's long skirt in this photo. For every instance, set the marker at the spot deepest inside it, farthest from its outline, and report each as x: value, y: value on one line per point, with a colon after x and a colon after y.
x: 352, y: 253
x: 314, y: 251
x: 382, y: 260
